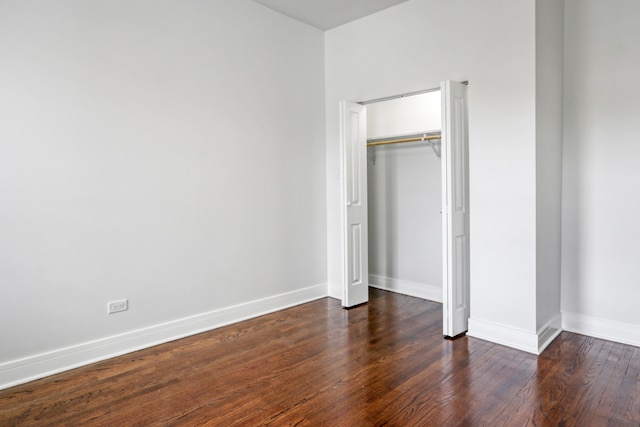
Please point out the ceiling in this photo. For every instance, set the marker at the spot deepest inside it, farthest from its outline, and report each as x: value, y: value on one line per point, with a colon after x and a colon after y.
x: 327, y: 14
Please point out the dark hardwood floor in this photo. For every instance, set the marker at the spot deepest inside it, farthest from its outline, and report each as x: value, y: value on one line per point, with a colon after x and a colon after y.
x: 384, y: 363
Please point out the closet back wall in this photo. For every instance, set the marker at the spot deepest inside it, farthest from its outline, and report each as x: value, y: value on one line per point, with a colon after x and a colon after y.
x: 405, y: 243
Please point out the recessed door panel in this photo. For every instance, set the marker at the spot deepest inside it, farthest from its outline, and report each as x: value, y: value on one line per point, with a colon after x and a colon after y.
x: 455, y: 208
x: 354, y: 213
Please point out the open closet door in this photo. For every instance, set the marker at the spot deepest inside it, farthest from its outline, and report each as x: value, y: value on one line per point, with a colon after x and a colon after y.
x: 455, y: 208
x: 353, y: 141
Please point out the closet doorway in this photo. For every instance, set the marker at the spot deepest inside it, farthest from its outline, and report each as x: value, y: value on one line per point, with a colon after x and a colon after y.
x: 409, y: 205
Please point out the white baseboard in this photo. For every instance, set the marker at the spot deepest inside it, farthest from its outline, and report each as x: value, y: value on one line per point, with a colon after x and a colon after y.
x: 549, y: 332
x: 624, y: 333
x: 41, y: 365
x: 503, y: 335
x: 335, y: 290
x: 414, y: 289
x: 513, y: 337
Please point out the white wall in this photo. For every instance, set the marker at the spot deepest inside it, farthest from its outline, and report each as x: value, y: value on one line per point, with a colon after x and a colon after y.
x: 601, y: 208
x: 407, y: 115
x: 404, y: 198
x: 549, y: 80
x: 415, y: 46
x: 168, y: 152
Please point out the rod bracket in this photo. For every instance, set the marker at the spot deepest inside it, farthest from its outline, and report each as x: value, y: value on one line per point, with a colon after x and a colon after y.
x: 435, y: 146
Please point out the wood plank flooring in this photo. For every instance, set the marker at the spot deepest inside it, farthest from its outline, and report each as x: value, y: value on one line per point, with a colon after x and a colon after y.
x: 380, y: 364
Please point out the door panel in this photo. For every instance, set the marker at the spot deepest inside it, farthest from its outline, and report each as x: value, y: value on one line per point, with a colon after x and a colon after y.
x: 353, y: 142
x: 455, y: 208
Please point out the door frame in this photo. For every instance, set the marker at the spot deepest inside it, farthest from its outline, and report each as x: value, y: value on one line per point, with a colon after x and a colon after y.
x: 446, y: 226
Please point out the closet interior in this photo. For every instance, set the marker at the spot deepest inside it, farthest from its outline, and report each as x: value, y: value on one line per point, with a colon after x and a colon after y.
x: 404, y: 195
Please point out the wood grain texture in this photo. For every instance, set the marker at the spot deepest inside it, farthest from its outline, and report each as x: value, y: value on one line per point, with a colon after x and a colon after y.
x: 317, y: 364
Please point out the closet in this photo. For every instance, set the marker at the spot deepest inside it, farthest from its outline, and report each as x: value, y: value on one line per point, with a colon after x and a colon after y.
x: 405, y: 195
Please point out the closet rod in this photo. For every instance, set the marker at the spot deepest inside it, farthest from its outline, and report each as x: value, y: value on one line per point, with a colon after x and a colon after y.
x: 398, y: 141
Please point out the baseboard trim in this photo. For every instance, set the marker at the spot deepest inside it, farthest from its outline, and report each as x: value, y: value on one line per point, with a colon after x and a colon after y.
x: 335, y: 290
x: 30, y: 368
x: 406, y: 287
x: 503, y: 335
x: 516, y: 338
x: 624, y: 333
x: 549, y: 332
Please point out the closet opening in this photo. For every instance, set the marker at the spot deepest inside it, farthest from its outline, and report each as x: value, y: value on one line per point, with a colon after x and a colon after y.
x: 405, y: 199
x: 404, y: 195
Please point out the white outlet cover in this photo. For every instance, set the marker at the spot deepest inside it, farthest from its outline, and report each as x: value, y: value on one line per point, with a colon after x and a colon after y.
x: 117, y: 306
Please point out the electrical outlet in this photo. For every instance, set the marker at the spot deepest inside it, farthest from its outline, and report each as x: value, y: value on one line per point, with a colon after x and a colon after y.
x: 116, y: 306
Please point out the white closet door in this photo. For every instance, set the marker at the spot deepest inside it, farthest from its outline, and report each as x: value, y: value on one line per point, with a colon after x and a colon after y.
x: 455, y: 208
x: 353, y: 140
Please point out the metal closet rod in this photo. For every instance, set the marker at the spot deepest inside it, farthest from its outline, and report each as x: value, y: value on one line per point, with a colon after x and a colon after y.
x: 399, y: 141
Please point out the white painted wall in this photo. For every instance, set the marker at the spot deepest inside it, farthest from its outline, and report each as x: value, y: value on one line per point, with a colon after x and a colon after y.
x: 404, y: 193
x: 406, y: 115
x: 492, y: 45
x: 601, y: 208
x: 549, y: 76
x: 168, y: 152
